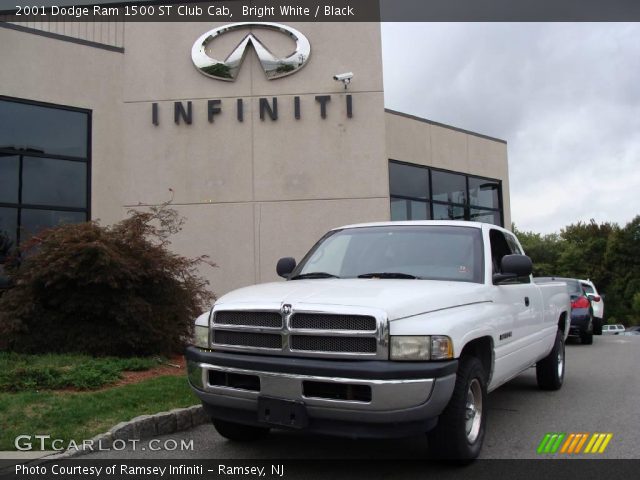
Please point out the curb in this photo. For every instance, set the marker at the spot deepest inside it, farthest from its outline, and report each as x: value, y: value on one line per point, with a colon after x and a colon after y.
x: 139, y: 428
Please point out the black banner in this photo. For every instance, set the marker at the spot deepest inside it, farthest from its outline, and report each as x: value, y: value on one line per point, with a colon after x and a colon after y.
x: 321, y: 10
x: 581, y: 469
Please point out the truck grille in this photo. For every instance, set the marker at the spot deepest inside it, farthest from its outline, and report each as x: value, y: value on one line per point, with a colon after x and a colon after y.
x: 250, y: 319
x: 333, y: 322
x: 247, y: 339
x: 314, y: 343
x: 311, y: 334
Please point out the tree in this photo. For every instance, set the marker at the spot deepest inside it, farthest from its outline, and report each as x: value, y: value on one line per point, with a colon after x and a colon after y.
x: 544, y: 250
x: 585, y: 245
x: 605, y: 253
x: 622, y: 260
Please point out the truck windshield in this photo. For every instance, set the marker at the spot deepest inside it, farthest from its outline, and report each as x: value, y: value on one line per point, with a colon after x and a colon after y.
x: 398, y: 252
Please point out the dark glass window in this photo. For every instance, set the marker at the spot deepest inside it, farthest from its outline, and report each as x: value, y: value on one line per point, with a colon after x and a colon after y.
x: 47, y: 181
x: 408, y: 181
x: 44, y: 168
x: 587, y: 288
x: 35, y: 220
x: 42, y: 129
x: 485, y: 216
x: 399, y: 209
x: 419, y: 210
x: 402, y: 209
x: 448, y: 187
x: 8, y: 230
x: 448, y: 212
x: 484, y: 193
x: 422, y: 193
x: 9, y: 178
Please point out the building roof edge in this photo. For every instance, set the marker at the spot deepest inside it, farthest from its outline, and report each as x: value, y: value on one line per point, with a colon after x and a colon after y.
x: 444, y: 125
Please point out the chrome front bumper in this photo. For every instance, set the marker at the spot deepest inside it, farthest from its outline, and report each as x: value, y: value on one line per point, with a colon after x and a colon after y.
x: 408, y: 398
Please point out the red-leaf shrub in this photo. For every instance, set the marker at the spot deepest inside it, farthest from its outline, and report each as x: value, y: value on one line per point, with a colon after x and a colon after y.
x: 115, y: 290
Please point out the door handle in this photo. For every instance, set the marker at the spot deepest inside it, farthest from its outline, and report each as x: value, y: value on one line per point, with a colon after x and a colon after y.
x: 526, y: 301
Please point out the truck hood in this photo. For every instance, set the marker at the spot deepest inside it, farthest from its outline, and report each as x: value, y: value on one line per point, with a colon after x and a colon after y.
x: 399, y: 298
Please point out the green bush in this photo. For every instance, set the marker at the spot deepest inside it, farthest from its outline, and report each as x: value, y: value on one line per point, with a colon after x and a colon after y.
x: 114, y: 290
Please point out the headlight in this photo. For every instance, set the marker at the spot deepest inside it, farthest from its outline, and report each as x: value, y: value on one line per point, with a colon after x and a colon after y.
x: 422, y: 347
x: 410, y: 348
x: 201, y: 336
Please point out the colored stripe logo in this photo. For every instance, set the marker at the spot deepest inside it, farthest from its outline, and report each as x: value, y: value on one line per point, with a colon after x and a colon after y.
x: 573, y: 443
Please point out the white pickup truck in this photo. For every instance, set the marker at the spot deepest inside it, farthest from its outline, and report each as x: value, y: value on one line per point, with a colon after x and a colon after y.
x: 383, y: 329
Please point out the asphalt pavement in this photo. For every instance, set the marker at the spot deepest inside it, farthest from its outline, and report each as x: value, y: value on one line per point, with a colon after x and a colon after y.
x: 601, y: 394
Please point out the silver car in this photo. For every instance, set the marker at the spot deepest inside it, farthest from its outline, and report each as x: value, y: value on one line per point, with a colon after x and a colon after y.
x: 612, y: 329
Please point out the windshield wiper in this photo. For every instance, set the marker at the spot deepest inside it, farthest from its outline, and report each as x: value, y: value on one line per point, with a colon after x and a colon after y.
x: 314, y: 275
x: 387, y: 275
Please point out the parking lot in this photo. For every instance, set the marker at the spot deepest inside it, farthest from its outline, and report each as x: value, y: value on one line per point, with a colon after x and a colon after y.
x: 601, y: 394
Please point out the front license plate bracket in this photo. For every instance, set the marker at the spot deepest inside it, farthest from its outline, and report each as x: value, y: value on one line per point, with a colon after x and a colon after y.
x: 284, y: 413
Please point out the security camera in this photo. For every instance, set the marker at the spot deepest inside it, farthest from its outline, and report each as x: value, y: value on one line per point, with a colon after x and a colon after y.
x: 344, y: 78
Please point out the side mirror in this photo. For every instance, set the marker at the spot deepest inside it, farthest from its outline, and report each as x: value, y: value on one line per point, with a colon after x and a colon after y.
x: 594, y: 298
x: 285, y: 266
x: 513, y: 266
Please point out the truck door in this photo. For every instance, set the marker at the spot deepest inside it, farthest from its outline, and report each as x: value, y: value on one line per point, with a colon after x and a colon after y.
x: 524, y: 302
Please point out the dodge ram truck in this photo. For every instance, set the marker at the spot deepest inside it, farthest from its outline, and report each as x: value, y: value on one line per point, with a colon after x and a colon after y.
x: 382, y: 330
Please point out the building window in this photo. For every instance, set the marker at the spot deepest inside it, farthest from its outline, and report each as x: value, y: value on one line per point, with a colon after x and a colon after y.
x: 44, y: 168
x: 424, y: 193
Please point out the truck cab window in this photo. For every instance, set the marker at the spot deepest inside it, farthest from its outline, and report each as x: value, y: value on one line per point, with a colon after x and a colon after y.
x: 504, y: 244
x: 499, y: 248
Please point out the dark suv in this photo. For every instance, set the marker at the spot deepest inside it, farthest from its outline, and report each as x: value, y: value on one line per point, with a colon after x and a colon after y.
x: 581, y: 309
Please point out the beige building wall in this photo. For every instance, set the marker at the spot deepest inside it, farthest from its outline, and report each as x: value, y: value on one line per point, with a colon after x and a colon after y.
x: 423, y: 142
x: 256, y: 190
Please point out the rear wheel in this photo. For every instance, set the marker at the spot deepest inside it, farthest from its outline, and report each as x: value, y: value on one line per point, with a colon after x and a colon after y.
x: 461, y: 427
x: 239, y: 432
x: 597, y: 326
x: 550, y: 370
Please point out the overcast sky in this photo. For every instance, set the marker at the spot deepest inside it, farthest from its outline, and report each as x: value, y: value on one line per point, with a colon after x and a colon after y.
x: 565, y: 96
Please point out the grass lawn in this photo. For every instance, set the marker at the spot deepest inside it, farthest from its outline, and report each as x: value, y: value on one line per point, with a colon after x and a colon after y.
x: 33, y: 407
x: 20, y: 372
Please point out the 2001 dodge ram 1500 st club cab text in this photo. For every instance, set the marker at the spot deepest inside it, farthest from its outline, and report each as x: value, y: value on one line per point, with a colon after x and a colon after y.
x: 384, y: 329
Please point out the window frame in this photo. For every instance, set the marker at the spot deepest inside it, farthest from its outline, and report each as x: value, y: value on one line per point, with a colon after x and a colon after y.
x: 467, y: 207
x: 21, y: 154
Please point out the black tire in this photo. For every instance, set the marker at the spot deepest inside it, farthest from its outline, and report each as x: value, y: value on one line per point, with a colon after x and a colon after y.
x: 239, y: 432
x: 550, y: 370
x: 457, y: 437
x: 597, y: 326
x: 586, y: 337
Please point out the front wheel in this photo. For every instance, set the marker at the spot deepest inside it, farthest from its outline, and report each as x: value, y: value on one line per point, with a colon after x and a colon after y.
x: 461, y: 427
x: 550, y: 370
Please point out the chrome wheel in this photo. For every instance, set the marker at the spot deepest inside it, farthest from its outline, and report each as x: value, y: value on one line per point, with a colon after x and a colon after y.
x: 473, y: 410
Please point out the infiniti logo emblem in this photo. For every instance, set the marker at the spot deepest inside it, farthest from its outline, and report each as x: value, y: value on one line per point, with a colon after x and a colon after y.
x: 273, y: 66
